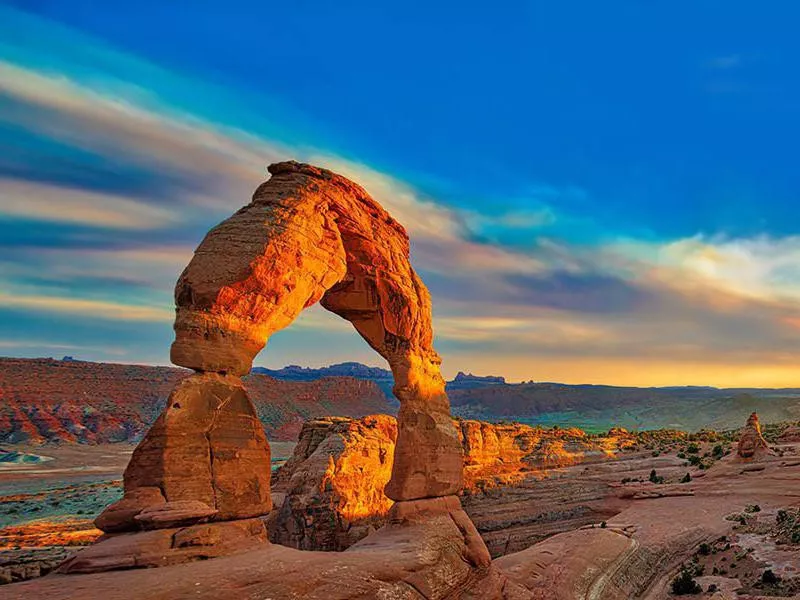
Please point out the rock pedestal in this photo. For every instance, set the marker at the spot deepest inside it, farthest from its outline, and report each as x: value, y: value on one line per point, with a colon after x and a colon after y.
x: 205, y: 458
x: 751, y: 443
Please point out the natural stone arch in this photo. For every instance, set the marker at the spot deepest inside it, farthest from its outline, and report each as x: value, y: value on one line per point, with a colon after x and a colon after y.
x: 308, y: 235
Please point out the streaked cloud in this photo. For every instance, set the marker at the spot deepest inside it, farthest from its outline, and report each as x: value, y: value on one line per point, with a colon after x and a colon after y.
x: 43, y: 202
x: 96, y: 309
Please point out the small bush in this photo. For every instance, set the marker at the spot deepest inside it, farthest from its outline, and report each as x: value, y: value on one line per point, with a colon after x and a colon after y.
x: 769, y: 578
x: 686, y: 478
x: 684, y: 584
x: 692, y: 449
x: 704, y: 549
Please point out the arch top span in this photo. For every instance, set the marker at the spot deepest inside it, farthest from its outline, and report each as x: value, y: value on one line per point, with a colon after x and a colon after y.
x: 310, y: 235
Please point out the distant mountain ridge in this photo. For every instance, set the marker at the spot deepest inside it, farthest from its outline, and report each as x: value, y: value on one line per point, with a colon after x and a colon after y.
x: 589, y: 406
x: 382, y: 377
x: 70, y: 401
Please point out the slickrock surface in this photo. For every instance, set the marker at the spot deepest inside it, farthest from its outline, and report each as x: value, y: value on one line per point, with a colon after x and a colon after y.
x: 310, y: 235
x: 170, y: 545
x: 752, y: 444
x: 422, y: 554
x: 65, y: 402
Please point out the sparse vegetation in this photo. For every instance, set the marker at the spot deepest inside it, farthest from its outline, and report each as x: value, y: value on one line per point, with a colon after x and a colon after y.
x: 769, y: 578
x: 685, y: 584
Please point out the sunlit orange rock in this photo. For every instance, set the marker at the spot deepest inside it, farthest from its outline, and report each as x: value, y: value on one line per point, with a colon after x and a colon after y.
x: 334, y: 483
x: 47, y: 532
x: 751, y: 442
x: 310, y: 235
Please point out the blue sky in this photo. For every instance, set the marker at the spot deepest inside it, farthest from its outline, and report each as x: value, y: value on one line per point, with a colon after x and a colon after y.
x: 596, y: 192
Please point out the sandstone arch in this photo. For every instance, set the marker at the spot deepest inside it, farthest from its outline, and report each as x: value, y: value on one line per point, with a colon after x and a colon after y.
x: 308, y: 235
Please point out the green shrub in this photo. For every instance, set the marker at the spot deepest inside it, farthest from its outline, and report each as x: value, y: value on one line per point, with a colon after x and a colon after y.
x: 684, y: 584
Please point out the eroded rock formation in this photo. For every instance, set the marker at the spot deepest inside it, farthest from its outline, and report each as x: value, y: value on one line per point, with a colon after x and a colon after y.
x: 751, y: 442
x: 790, y: 435
x: 333, y: 483
x: 308, y: 235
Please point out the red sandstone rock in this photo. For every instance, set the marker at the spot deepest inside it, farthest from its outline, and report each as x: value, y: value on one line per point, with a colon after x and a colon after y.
x: 121, y: 515
x: 310, y: 235
x: 174, y: 514
x: 751, y: 443
x: 163, y: 547
x: 334, y: 483
x: 207, y: 446
x: 790, y: 435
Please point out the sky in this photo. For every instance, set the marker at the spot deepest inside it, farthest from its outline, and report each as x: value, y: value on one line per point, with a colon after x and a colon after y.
x: 596, y: 192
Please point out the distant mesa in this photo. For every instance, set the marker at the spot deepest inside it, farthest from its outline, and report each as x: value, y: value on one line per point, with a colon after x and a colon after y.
x: 468, y: 378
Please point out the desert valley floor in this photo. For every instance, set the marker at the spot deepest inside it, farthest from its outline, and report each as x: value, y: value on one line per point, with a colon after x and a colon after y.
x: 605, y: 527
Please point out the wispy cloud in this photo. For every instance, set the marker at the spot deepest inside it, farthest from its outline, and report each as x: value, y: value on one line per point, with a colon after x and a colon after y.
x: 96, y: 309
x: 44, y: 202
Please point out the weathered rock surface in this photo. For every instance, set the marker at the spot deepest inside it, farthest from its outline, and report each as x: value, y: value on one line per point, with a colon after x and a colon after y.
x: 790, y: 435
x: 422, y: 554
x: 161, y: 547
x: 310, y: 235
x: 333, y: 483
x: 207, y: 447
x: 752, y: 444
